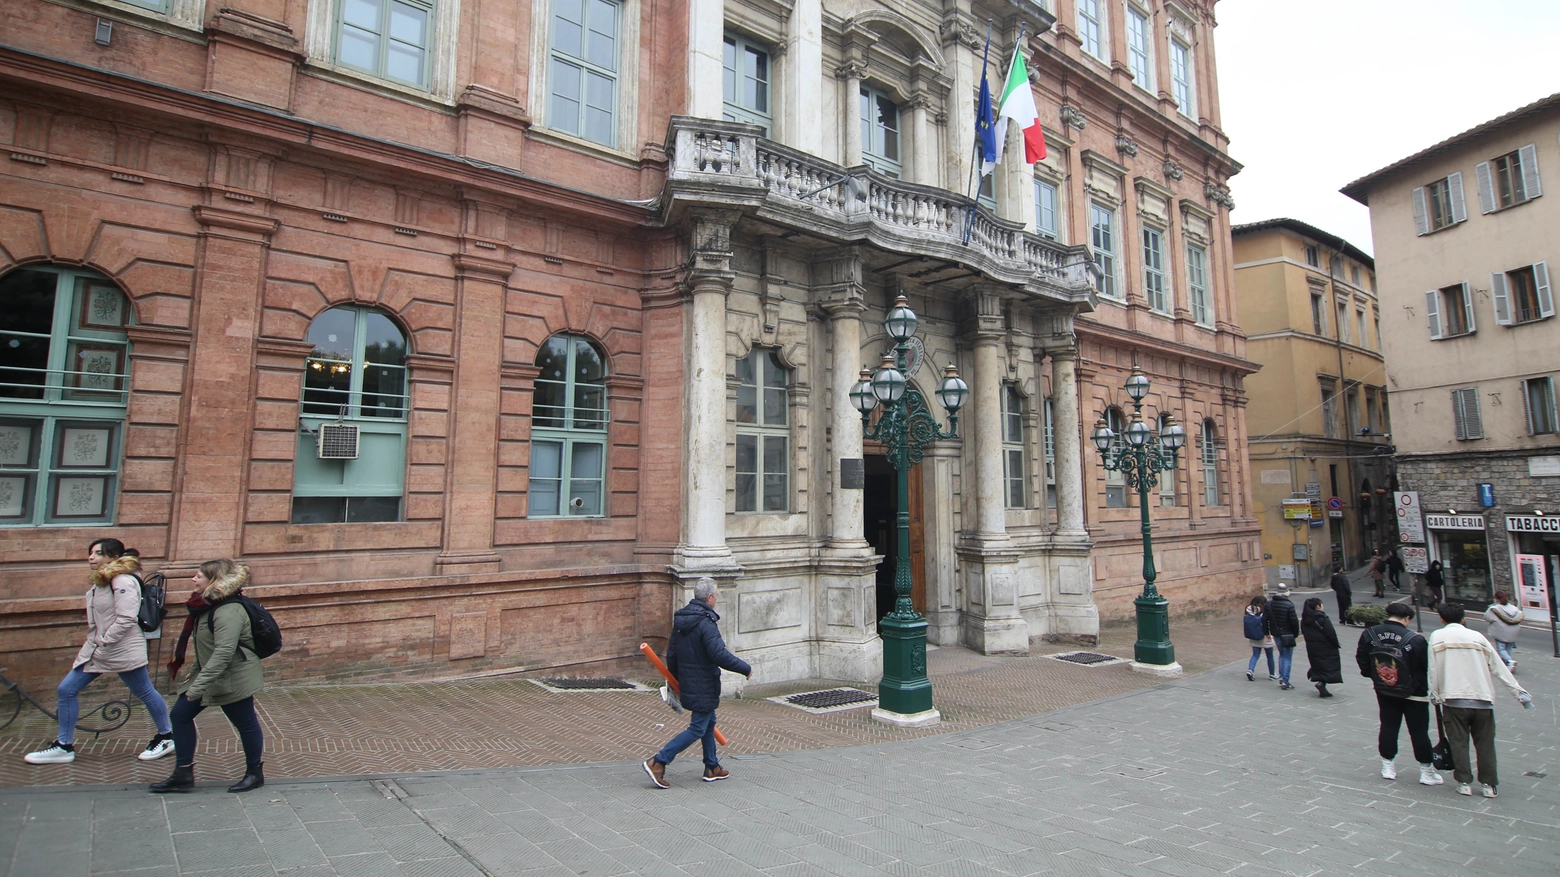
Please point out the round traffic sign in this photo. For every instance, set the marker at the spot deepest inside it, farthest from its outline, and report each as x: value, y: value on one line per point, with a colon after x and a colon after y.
x: 1335, y: 504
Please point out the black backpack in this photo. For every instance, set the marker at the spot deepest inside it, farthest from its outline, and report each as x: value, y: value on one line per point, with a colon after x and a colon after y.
x: 268, y: 636
x: 1389, y: 665
x: 154, y: 596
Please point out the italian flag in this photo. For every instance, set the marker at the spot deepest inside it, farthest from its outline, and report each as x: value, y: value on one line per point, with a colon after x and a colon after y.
x: 1018, y: 104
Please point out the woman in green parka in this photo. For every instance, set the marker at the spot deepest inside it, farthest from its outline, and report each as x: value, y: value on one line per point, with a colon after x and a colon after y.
x: 226, y: 674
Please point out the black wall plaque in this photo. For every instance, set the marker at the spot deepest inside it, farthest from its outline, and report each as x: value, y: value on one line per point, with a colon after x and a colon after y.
x: 853, y: 476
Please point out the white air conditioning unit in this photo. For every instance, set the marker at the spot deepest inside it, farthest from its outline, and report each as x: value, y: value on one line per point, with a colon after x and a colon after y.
x: 338, y: 441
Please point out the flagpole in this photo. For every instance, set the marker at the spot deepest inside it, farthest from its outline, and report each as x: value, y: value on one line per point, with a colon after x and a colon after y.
x: 969, y: 187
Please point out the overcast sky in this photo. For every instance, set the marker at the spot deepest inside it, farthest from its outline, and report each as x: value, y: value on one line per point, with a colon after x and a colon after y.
x: 1319, y: 93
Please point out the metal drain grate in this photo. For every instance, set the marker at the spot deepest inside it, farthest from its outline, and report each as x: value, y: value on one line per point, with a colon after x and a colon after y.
x: 828, y: 700
x: 561, y: 685
x: 1535, y: 773
x: 1087, y: 659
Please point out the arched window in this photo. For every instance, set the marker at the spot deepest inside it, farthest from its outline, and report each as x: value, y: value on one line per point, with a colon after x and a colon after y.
x: 1167, y: 477
x: 1115, y: 482
x: 1210, y: 464
x: 64, y: 387
x: 1015, y: 487
x: 354, y: 381
x: 568, y: 430
x: 763, y: 433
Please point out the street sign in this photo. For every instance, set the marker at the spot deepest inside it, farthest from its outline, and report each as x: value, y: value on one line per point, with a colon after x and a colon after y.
x: 1487, y: 495
x: 1416, y: 559
x: 1335, y: 513
x: 1411, y: 525
x: 1297, y: 509
x: 1335, y: 505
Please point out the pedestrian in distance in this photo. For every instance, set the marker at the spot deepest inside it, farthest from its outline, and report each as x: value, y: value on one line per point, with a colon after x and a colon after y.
x: 1321, y: 646
x: 1254, y: 624
x: 1505, y: 620
x: 1378, y: 572
x: 226, y: 673
x: 1345, y: 591
x: 1397, y: 661
x: 1463, y: 671
x: 114, y: 644
x: 1435, y: 582
x: 1395, y: 569
x: 695, y: 654
x: 1283, y: 625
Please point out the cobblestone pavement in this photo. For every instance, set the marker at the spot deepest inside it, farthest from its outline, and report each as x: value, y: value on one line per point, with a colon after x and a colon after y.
x: 1206, y: 775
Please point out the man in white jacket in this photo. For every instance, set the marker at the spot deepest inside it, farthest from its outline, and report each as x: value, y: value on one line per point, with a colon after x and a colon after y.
x: 1463, y: 670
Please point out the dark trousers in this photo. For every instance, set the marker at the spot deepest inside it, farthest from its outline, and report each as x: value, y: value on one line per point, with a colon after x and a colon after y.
x: 1462, y: 723
x: 1396, y: 711
x: 1345, y: 600
x: 241, y: 715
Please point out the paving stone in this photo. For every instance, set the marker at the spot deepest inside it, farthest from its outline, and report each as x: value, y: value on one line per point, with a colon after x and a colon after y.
x: 342, y: 838
x: 212, y: 850
x: 291, y: 848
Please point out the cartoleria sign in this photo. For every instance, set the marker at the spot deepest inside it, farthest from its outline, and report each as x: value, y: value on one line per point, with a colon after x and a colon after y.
x: 1532, y: 524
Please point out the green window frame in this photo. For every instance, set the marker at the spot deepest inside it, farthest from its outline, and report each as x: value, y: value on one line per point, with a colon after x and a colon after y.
x: 745, y: 82
x: 1197, y: 284
x: 355, y: 374
x: 763, y: 434
x: 1014, y: 486
x: 1045, y: 210
x: 1154, y: 270
x: 880, y: 132
x: 582, y: 76
x: 1102, y: 230
x: 568, y: 430
x: 389, y: 39
x: 64, y: 391
x: 1115, y: 480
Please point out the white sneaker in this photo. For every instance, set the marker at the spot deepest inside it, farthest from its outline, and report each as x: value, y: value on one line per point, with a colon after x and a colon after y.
x: 156, y: 749
x: 1512, y: 666
x: 1489, y: 791
x: 55, y: 754
x: 1388, y: 770
x: 1428, y: 776
x: 1464, y: 789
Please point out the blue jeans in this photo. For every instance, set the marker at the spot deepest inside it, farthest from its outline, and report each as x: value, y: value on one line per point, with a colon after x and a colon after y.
x: 701, y: 727
x: 1286, y: 659
x: 138, y: 681
x: 241, y: 715
x: 1256, y: 652
x: 1504, y: 650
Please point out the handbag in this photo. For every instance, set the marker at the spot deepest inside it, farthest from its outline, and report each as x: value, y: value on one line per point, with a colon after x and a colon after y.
x: 1441, y: 754
x: 1287, y: 641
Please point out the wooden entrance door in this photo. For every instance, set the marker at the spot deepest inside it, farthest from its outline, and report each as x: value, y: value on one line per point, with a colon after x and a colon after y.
x: 880, y: 523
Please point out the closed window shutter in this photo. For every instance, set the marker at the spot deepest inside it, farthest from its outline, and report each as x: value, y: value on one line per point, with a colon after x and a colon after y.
x: 1532, y: 188
x: 1459, y: 421
x: 1467, y: 302
x: 1502, y: 298
x: 1481, y: 173
x: 1546, y: 299
x: 1548, y: 389
x: 1433, y: 313
x: 1454, y: 183
x: 1421, y: 213
x: 1527, y: 408
x: 1473, y: 420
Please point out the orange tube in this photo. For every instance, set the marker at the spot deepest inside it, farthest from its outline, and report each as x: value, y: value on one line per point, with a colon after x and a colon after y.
x: 661, y: 666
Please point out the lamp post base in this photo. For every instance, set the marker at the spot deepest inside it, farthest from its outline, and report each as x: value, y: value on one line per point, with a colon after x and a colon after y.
x: 913, y: 720
x: 1153, y: 623
x: 1164, y: 671
x: 904, y: 689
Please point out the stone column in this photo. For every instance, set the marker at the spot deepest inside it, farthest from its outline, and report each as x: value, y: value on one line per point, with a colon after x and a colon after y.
x: 1068, y: 431
x: 986, y: 430
x: 1069, y: 610
x: 802, y: 115
x: 706, y: 51
x: 850, y: 102
x: 845, y: 521
x: 921, y: 170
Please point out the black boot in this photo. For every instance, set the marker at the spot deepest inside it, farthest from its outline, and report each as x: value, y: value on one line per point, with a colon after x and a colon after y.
x: 254, y: 778
x: 183, y: 780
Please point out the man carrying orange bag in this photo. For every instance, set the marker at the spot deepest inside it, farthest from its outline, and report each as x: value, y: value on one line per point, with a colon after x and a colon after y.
x: 695, y: 654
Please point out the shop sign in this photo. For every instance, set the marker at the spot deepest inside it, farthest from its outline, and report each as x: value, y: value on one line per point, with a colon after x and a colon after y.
x: 1532, y: 524
x: 1454, y: 522
x: 1297, y: 510
x: 1487, y: 495
x: 1416, y: 559
x: 1411, y: 526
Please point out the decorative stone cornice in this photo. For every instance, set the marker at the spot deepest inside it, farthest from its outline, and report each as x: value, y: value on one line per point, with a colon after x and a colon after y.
x: 1072, y: 117
x: 467, y: 265
x: 1126, y: 145
x: 1173, y: 171
x: 250, y: 223
x: 1218, y: 194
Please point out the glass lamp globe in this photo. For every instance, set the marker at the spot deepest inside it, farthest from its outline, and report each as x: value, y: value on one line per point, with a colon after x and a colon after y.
x: 1137, y: 432
x: 1173, y: 436
x: 1102, y: 435
x: 861, y: 394
x: 1137, y: 385
x: 901, y: 321
x: 953, y: 390
x: 889, y: 383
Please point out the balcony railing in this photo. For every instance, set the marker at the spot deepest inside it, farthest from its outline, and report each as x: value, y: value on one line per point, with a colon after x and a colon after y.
x: 728, y: 164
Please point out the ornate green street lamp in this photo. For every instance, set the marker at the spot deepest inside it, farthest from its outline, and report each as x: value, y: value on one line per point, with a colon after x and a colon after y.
x: 905, y: 427
x: 1140, y: 456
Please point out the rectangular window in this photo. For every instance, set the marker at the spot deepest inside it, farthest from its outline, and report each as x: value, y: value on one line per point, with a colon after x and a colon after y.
x: 1523, y: 295
x: 1450, y: 311
x: 1181, y: 74
x: 1359, y: 327
x: 1330, y: 409
x: 579, y: 492
x: 1508, y: 180
x: 1013, y: 480
x: 745, y: 83
x: 1313, y: 257
x: 880, y: 132
x: 1538, y: 403
x: 1197, y: 285
x: 389, y: 39
x: 1045, y: 210
x: 1050, y: 454
x: 1090, y: 28
x: 1154, y: 271
x: 1466, y: 419
x: 1351, y: 406
x: 763, y: 434
x: 1444, y: 199
x: 986, y: 196
x: 1140, y: 48
x: 1372, y: 412
x: 1335, y: 267
x: 582, y: 76
x: 1318, y: 313
x: 1167, y: 476
x: 1343, y: 319
x: 154, y: 5
x: 1210, y: 465
x: 1102, y: 232
x: 1354, y: 274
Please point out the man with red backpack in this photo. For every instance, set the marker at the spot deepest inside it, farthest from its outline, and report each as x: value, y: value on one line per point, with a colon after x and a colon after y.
x: 1397, y: 661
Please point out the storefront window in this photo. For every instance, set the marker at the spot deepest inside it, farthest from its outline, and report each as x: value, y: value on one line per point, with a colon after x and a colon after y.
x: 1465, y: 562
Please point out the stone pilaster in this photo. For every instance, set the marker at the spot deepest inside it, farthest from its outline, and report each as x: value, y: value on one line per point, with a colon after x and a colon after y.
x: 1070, y: 612
x: 802, y: 115
x: 706, y: 49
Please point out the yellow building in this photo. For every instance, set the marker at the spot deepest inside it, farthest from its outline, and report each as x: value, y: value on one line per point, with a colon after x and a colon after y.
x: 1318, y: 412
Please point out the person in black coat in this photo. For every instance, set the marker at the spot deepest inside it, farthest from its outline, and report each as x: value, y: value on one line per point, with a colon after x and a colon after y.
x: 1395, y: 569
x: 1402, y: 688
x: 695, y: 654
x: 1321, y: 646
x: 1345, y: 591
x: 1283, y: 625
x: 1435, y: 581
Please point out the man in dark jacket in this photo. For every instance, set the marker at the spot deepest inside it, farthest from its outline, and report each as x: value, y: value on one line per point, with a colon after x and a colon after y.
x: 1345, y: 591
x: 1282, y: 621
x: 1397, y: 661
x: 695, y: 654
x: 1395, y: 568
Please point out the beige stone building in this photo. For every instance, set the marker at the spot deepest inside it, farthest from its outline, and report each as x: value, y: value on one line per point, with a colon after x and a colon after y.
x: 1463, y: 239
x: 1318, y: 416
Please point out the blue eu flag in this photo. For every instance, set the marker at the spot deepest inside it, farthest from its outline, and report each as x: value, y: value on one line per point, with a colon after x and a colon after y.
x: 985, y: 126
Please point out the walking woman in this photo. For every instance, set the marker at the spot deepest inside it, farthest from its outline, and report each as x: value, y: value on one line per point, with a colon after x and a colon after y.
x: 1255, y: 626
x: 1436, y: 582
x: 114, y: 645
x: 1321, y: 646
x: 226, y: 674
x: 1283, y: 625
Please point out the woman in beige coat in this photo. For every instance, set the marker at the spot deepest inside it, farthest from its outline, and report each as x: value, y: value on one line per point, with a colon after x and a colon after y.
x: 226, y: 674
x: 114, y: 645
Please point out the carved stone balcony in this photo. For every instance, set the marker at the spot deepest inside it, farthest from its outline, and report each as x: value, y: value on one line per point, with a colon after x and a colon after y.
x: 728, y: 165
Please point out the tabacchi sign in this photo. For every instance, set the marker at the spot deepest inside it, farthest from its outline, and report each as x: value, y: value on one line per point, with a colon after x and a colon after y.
x: 1532, y: 524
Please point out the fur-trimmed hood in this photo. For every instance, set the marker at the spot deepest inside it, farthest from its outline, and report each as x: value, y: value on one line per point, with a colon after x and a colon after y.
x: 228, y: 585
x: 123, y: 565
